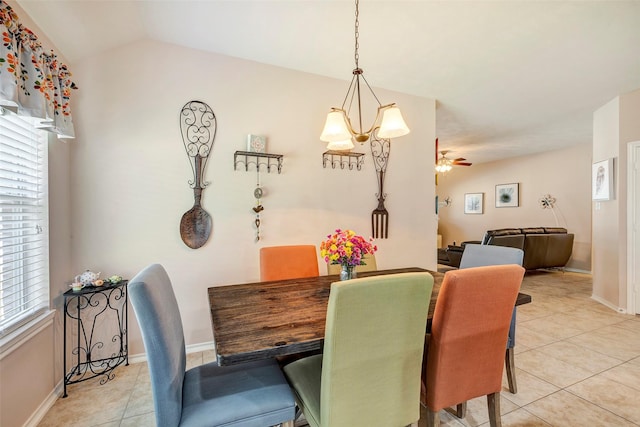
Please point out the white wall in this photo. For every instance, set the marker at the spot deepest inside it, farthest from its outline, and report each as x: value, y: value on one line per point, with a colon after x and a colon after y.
x: 629, y: 132
x: 615, y: 126
x: 130, y: 171
x: 565, y: 174
x: 606, y: 258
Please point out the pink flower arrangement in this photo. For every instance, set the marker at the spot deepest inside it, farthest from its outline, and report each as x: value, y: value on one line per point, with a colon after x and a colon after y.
x: 346, y: 248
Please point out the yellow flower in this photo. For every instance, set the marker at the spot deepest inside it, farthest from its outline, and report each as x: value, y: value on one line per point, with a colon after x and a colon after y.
x: 345, y: 247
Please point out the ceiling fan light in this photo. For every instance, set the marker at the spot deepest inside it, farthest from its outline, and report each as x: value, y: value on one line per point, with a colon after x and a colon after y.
x: 443, y: 165
x: 335, y: 128
x: 345, y: 145
x: 393, y: 124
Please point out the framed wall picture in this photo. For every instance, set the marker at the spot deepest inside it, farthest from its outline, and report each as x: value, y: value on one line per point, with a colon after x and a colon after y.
x: 508, y: 195
x: 256, y: 143
x: 602, y: 180
x: 473, y: 203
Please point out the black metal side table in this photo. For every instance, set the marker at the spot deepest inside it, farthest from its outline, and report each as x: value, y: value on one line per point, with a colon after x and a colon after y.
x: 91, y: 307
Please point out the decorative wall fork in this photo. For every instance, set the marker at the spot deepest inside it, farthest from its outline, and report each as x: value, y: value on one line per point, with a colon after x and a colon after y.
x: 380, y: 150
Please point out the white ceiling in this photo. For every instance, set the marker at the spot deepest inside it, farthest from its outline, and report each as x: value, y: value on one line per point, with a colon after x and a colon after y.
x: 510, y: 77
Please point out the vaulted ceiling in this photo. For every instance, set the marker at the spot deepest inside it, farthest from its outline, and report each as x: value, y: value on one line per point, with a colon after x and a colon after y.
x: 510, y: 77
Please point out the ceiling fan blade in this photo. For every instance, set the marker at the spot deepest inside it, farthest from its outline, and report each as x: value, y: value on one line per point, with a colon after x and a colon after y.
x: 459, y: 159
x: 462, y: 163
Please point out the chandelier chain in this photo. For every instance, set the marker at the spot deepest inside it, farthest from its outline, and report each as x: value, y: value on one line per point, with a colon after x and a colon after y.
x: 357, y: 34
x: 339, y: 129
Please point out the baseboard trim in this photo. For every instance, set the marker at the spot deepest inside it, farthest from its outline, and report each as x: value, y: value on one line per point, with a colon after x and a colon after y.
x: 608, y: 304
x: 576, y: 270
x: 56, y: 393
x: 45, y: 406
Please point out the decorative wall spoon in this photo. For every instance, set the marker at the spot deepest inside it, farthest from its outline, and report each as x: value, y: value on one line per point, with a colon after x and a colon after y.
x: 198, y: 127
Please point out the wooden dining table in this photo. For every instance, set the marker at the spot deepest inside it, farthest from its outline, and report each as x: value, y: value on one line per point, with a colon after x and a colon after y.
x: 253, y: 321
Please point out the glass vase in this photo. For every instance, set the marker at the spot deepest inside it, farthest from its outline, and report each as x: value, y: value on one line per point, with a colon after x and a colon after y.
x: 348, y: 272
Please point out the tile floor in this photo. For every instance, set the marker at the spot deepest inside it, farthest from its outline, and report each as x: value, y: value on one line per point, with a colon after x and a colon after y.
x: 578, y: 364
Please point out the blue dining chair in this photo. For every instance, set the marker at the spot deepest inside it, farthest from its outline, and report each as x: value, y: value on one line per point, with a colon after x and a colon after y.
x: 249, y: 395
x: 483, y: 255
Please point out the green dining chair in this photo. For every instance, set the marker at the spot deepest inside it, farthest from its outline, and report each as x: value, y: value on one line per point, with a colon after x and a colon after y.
x: 369, y: 372
x: 369, y: 265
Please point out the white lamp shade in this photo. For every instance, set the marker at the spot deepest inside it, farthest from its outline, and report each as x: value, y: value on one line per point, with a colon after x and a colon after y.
x: 393, y: 124
x: 347, y: 144
x: 335, y: 128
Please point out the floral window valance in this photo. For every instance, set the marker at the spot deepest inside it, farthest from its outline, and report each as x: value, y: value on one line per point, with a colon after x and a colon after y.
x: 31, y: 80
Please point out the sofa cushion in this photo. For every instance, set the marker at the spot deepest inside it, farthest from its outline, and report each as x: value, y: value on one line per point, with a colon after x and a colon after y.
x: 512, y: 241
x: 443, y: 258
x: 547, y: 250
x: 555, y: 230
x: 499, y: 232
x: 535, y: 251
x: 559, y: 248
x: 533, y: 230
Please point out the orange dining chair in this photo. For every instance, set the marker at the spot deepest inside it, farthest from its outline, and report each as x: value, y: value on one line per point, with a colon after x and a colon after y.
x: 480, y: 256
x: 369, y: 265
x: 288, y: 262
x: 465, y: 349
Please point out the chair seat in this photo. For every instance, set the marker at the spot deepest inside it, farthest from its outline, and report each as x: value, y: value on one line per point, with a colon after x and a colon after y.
x: 305, y: 376
x: 235, y: 396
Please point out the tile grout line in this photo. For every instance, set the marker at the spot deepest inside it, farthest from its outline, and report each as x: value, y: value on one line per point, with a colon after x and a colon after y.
x: 566, y: 389
x: 601, y: 407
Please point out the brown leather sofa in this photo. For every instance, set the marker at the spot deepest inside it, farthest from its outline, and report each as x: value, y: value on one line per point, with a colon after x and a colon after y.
x: 544, y: 247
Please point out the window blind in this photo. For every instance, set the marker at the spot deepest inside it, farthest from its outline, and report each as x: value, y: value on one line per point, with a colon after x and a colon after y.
x: 24, y: 242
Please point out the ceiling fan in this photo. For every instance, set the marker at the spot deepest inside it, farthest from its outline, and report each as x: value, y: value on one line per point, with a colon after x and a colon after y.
x: 444, y: 164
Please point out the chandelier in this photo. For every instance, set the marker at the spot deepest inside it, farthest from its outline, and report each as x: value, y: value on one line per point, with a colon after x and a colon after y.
x: 444, y: 165
x: 338, y: 129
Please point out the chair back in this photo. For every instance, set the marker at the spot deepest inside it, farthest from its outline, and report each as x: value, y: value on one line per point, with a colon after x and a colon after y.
x: 481, y: 255
x: 288, y: 262
x: 158, y: 315
x: 374, y: 340
x: 469, y: 333
x: 369, y: 265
